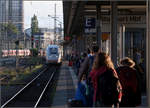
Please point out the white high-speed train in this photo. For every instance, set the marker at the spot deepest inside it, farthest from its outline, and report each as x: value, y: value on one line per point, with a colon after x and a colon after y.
x: 53, y: 54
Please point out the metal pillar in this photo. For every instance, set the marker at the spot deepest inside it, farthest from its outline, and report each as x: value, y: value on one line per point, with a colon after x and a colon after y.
x: 122, y: 42
x: 1, y: 38
x: 76, y: 47
x: 83, y: 44
x: 148, y: 52
x: 98, y: 27
x: 0, y: 33
x: 82, y: 41
x: 114, y: 32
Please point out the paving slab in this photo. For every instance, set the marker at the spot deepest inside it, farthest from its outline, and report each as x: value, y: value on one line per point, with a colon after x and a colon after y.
x: 65, y: 87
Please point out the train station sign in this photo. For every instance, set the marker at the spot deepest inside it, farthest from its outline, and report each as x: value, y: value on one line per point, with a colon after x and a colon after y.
x: 126, y: 19
x: 90, y: 21
x: 90, y: 25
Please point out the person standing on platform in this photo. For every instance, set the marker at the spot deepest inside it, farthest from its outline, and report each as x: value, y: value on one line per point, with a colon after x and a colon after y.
x: 138, y: 57
x: 87, y: 64
x: 129, y: 79
x: 77, y: 64
x: 82, y: 91
x: 107, y: 87
x: 86, y: 67
x: 83, y: 56
x: 88, y: 52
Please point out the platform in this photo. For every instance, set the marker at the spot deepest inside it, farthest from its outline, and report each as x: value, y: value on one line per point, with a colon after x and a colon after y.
x: 67, y: 84
x: 65, y: 87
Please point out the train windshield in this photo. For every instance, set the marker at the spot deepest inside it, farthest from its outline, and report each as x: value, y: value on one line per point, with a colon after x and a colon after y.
x: 53, y: 50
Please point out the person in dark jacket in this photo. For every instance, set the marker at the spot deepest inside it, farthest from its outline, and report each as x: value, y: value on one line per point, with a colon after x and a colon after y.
x: 101, y: 65
x: 86, y: 68
x: 129, y: 81
x: 88, y: 62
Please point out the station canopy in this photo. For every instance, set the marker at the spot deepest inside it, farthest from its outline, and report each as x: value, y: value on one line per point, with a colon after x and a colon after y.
x: 75, y: 11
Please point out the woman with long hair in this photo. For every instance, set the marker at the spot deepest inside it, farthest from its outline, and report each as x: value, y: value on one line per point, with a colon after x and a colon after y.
x: 107, y: 88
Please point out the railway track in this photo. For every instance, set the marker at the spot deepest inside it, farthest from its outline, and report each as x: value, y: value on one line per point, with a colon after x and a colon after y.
x: 31, y: 95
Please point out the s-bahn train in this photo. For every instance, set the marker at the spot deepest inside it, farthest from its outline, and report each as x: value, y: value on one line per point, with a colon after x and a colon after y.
x: 20, y: 52
x: 13, y: 52
x: 53, y: 55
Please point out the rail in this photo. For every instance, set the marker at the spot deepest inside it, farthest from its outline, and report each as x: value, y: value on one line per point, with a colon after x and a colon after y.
x: 44, y: 90
x: 23, y: 89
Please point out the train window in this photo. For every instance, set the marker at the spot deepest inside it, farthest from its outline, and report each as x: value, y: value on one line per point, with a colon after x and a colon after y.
x: 53, y: 50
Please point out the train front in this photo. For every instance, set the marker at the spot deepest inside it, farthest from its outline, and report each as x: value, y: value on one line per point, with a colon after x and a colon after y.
x: 52, y: 55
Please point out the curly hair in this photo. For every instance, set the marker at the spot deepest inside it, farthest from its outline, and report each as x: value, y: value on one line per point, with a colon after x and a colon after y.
x: 102, y: 59
x: 128, y: 62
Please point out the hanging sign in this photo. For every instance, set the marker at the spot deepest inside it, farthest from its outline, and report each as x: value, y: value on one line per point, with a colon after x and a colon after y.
x: 90, y: 25
x: 105, y: 36
x: 126, y: 19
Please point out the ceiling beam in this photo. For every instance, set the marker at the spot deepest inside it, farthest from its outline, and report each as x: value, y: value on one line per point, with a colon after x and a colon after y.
x: 77, y: 16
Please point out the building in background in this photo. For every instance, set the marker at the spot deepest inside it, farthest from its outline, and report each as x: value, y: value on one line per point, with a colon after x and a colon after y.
x: 45, y: 37
x: 42, y: 40
x: 11, y: 11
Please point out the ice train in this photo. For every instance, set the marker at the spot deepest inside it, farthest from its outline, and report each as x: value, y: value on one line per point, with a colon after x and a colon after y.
x: 53, y: 55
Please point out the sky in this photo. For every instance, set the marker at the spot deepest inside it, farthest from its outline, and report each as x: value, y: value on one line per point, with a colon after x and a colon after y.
x: 42, y: 9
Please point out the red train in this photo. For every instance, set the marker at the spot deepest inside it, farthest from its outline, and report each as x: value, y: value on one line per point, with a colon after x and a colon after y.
x: 20, y: 52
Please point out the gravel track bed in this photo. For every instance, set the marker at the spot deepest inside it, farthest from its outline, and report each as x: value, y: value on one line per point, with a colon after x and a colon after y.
x: 7, y: 91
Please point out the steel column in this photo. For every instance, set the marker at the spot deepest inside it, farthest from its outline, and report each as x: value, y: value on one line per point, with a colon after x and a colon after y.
x: 148, y: 52
x: 98, y: 27
x: 114, y: 14
x: 83, y: 44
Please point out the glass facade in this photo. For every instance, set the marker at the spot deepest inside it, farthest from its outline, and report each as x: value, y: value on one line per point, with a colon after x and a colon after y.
x: 10, y: 11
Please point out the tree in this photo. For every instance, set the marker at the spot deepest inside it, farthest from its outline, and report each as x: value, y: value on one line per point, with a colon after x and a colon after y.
x: 34, y: 28
x: 34, y: 52
x: 34, y: 25
x: 10, y: 29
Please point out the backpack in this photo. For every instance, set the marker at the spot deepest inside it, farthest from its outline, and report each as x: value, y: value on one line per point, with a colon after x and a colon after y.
x: 108, y: 92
